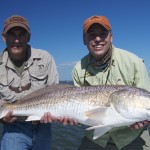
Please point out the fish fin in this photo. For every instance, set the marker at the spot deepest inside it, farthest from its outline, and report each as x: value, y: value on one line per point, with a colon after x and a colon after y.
x: 105, y: 116
x: 100, y: 116
x: 99, y: 130
x: 95, y: 127
x: 33, y: 118
x: 47, y: 89
x: 103, y: 119
x: 97, y: 116
x: 96, y: 113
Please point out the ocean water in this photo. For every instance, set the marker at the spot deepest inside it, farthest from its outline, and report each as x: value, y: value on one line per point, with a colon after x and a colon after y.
x: 65, y: 137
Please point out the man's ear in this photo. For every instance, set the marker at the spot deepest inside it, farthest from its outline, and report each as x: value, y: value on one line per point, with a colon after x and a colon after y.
x: 111, y: 38
x: 84, y: 40
x: 3, y: 37
x: 29, y: 36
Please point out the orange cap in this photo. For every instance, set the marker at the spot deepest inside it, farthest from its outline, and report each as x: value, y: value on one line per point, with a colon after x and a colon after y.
x: 14, y: 21
x: 96, y: 19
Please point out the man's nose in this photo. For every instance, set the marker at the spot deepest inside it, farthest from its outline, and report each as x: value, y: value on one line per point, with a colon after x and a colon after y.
x: 97, y: 38
x: 16, y: 38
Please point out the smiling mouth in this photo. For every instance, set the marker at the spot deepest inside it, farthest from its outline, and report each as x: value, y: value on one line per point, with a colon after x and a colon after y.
x: 99, y: 46
x: 16, y: 46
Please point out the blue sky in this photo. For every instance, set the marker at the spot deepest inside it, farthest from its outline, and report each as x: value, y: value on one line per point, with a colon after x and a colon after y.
x: 56, y: 26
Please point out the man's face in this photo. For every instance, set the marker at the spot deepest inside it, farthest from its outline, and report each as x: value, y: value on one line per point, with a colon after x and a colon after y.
x: 98, y: 40
x: 16, y: 40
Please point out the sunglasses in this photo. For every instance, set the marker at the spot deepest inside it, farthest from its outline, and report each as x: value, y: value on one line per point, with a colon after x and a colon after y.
x: 102, y: 34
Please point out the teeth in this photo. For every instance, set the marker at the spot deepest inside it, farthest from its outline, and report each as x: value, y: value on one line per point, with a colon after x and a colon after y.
x: 98, y: 46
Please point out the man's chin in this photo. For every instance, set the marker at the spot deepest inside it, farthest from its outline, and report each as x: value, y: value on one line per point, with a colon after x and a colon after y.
x: 17, y: 57
x: 98, y: 55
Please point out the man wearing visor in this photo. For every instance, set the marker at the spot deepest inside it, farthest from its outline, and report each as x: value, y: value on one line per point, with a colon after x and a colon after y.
x: 107, y: 65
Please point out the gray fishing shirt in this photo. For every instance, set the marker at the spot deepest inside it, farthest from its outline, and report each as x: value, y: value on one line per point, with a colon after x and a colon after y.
x: 39, y: 70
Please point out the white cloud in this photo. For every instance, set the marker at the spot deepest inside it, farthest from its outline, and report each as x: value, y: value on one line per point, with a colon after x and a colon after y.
x: 66, y: 65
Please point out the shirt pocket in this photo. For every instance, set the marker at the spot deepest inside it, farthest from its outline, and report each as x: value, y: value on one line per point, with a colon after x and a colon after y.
x: 6, y: 81
x: 122, y: 80
x: 39, y: 74
x: 89, y: 80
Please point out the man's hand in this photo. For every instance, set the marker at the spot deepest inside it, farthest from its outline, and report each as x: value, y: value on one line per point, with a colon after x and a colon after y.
x: 67, y: 121
x: 9, y: 118
x: 48, y: 118
x: 139, y: 125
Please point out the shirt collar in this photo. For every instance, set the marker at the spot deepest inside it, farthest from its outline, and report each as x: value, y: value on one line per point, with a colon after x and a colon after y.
x: 4, y: 58
x: 112, y: 57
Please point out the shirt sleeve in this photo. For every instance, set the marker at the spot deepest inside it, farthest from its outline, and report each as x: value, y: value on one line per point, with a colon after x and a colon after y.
x: 141, y: 76
x: 75, y: 77
x: 53, y: 77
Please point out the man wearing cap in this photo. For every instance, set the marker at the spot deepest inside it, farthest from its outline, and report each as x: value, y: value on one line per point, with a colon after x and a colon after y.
x: 24, y: 69
x: 107, y: 65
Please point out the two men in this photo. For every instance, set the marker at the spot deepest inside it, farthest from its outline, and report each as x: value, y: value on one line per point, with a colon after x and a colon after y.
x: 24, y: 69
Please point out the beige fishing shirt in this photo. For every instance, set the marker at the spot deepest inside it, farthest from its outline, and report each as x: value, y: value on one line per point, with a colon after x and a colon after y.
x: 125, y: 69
x: 38, y: 71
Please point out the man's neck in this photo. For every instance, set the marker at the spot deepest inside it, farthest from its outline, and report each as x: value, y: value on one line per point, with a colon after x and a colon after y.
x: 104, y: 62
x: 18, y: 63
